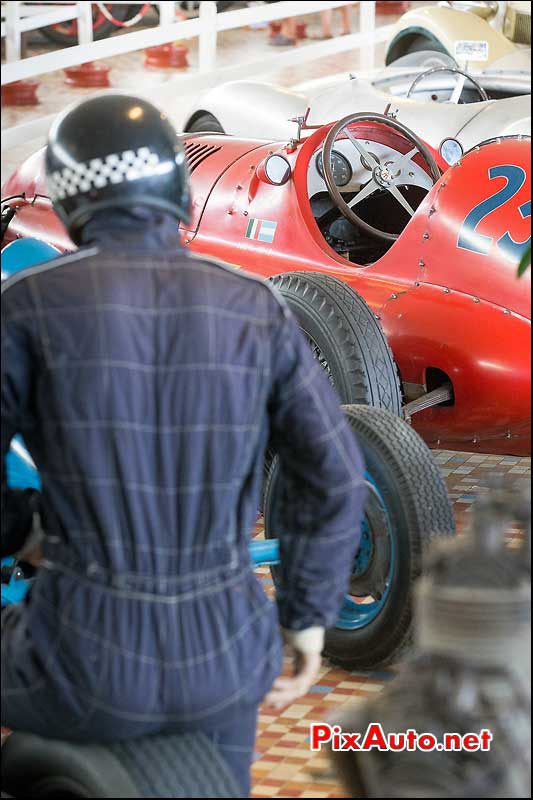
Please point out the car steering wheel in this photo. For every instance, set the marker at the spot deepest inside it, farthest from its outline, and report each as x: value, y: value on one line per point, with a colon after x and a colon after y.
x: 461, y: 79
x: 386, y: 176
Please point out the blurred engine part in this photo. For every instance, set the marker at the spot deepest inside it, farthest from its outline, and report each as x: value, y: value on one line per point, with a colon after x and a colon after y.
x: 471, y: 671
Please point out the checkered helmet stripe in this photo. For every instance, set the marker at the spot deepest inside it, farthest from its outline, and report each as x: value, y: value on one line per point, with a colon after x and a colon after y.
x: 130, y: 165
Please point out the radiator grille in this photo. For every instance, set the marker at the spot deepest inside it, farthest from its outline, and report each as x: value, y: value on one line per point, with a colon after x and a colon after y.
x: 517, y: 26
x: 198, y: 152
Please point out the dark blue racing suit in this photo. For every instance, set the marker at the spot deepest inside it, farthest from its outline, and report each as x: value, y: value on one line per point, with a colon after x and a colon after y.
x: 146, y: 384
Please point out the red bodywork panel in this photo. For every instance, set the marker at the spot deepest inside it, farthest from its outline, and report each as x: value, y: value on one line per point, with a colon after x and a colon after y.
x: 446, y: 292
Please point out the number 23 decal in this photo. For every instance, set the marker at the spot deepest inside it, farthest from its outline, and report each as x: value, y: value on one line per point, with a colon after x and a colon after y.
x: 470, y: 239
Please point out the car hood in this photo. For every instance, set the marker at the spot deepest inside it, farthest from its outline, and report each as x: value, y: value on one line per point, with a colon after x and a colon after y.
x: 519, y: 61
x: 508, y: 117
x: 509, y: 68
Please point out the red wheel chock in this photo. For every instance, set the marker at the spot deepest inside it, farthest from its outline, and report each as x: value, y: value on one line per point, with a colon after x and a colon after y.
x: 166, y: 56
x: 88, y: 75
x: 20, y: 93
x: 391, y: 7
x: 301, y: 30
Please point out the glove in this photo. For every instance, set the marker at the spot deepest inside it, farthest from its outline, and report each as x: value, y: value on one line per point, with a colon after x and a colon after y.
x: 306, y: 647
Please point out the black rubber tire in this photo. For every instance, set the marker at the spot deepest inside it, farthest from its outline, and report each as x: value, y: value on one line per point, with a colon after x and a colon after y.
x: 415, y: 494
x: 106, y: 28
x: 205, y: 123
x: 34, y: 767
x: 338, y: 320
x: 156, y: 766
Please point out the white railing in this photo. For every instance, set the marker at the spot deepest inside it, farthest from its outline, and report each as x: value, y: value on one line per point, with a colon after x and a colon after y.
x: 206, y: 28
x: 18, y: 18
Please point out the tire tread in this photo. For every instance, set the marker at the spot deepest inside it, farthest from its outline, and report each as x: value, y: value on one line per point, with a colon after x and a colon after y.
x: 371, y: 373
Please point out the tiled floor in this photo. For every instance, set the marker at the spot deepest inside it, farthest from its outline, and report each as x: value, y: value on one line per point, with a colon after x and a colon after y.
x: 284, y: 766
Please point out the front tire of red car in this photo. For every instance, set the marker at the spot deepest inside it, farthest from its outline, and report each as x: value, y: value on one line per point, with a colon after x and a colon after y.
x: 346, y: 337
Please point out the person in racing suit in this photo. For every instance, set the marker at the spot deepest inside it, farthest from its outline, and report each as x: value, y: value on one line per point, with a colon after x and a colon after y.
x: 147, y: 383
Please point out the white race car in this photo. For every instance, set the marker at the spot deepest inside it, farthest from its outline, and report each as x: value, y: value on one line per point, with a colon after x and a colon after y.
x: 439, y: 102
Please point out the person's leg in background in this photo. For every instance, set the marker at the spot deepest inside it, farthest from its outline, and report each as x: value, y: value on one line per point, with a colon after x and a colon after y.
x: 287, y: 36
x: 346, y: 20
x: 289, y: 29
x: 326, y: 19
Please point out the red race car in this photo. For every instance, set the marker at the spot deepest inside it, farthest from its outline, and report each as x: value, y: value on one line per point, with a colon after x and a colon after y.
x: 363, y: 210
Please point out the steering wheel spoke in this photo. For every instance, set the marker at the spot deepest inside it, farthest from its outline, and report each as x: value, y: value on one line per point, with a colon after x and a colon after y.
x: 458, y: 89
x: 395, y: 192
x: 408, y: 157
x: 365, y: 192
x: 369, y: 158
x: 403, y: 161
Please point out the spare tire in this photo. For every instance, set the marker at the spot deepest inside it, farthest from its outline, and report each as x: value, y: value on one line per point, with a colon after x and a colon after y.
x: 346, y: 337
x: 204, y: 122
x: 187, y: 765
x: 407, y: 505
x: 410, y: 42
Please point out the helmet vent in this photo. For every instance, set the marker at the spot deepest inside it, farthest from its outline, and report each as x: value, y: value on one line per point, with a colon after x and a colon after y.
x: 198, y: 152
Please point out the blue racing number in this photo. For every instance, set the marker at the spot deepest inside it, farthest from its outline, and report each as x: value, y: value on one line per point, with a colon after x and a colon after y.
x: 506, y: 242
x: 470, y: 239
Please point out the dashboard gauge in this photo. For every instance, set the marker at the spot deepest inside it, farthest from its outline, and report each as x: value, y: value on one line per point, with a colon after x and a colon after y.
x: 342, y: 171
x: 452, y: 151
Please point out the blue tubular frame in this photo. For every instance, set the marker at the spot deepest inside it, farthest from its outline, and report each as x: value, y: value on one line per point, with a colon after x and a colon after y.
x: 264, y: 553
x: 21, y: 471
x: 16, y: 590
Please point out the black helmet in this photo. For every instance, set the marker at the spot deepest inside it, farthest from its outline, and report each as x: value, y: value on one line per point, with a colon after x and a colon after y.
x: 115, y: 151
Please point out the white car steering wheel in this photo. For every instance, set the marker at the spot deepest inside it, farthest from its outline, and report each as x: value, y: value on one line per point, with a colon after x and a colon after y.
x: 460, y: 79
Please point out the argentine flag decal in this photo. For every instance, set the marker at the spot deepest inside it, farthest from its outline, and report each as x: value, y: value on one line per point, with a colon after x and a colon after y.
x: 262, y: 230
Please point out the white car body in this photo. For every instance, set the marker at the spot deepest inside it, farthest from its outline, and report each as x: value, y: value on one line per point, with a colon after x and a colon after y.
x: 503, y: 29
x: 264, y: 111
